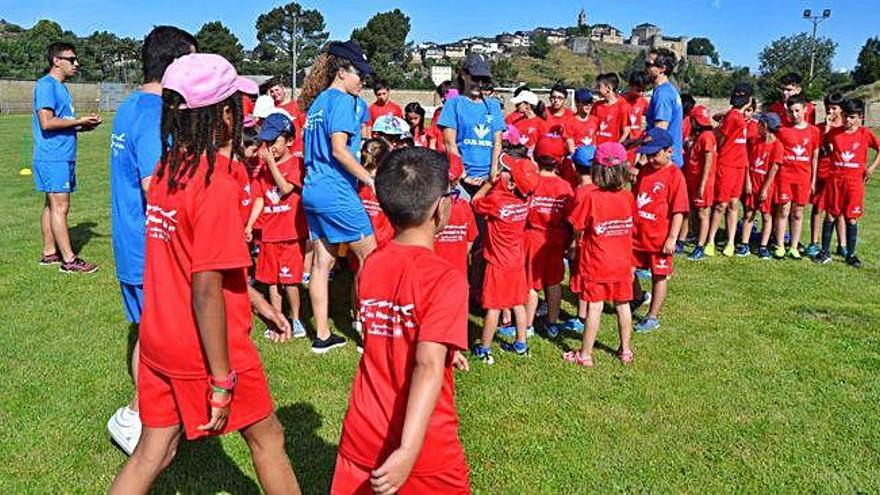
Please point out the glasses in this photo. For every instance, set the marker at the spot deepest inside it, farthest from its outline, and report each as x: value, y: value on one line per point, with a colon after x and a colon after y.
x: 72, y: 60
x: 557, y: 97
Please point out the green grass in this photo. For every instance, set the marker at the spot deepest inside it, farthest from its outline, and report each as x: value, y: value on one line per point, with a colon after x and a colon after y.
x: 763, y: 379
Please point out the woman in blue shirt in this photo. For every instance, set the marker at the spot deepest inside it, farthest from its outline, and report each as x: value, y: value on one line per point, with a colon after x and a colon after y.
x: 333, y: 209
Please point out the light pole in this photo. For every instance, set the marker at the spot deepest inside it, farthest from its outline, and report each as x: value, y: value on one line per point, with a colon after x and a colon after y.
x: 815, y: 19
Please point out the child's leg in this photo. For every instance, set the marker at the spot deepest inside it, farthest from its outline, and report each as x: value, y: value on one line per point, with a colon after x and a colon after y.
x: 841, y: 231
x: 265, y: 439
x: 732, y: 214
x: 519, y: 313
x: 704, y: 216
x: 154, y: 452
x: 766, y: 228
x: 490, y: 324
x: 292, y: 292
x: 658, y: 294
x: 307, y: 259
x: 852, y: 234
x: 782, y: 213
x: 748, y: 220
x: 815, y: 224
x: 638, y: 292
x: 624, y: 324
x: 506, y: 319
x: 582, y: 309
x: 532, y: 307
x: 554, y: 301
x: 594, y: 313
x: 275, y: 297
x: 717, y: 213
x: 828, y: 227
x: 797, y: 222
x: 683, y: 232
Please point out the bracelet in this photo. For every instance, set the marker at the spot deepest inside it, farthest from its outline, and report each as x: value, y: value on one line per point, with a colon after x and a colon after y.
x: 228, y: 384
x: 219, y: 404
x: 220, y: 390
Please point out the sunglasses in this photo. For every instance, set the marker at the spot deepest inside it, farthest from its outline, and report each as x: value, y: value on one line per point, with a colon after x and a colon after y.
x: 72, y: 60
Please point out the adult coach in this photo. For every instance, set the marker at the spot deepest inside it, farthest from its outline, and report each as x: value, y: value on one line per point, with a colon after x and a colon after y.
x: 332, y: 140
x: 664, y: 110
x: 135, y: 149
x: 55, y: 127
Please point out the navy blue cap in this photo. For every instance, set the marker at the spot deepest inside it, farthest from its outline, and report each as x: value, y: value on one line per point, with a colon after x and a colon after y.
x: 770, y: 119
x: 583, y: 156
x: 274, y: 125
x: 583, y: 95
x: 350, y: 51
x: 476, y: 65
x: 654, y: 140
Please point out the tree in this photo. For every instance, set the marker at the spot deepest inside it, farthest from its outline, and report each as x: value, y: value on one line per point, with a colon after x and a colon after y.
x: 702, y: 47
x: 214, y: 37
x: 383, y: 40
x: 540, y: 47
x: 286, y: 30
x: 868, y: 64
x: 503, y: 71
x: 792, y: 54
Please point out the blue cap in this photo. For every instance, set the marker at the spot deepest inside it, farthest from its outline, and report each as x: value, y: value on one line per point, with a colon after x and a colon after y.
x: 655, y: 140
x: 583, y: 156
x: 583, y: 95
x: 274, y: 125
x: 770, y: 119
x: 350, y: 51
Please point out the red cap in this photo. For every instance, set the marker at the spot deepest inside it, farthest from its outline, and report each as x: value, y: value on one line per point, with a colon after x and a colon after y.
x: 550, y: 146
x: 610, y: 154
x: 701, y: 116
x: 523, y: 172
x: 456, y: 167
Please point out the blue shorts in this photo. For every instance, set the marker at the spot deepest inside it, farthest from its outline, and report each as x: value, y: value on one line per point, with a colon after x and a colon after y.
x: 132, y: 301
x: 55, y: 177
x: 337, y: 227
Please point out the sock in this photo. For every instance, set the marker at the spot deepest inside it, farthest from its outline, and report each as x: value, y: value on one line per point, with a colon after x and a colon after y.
x: 827, y: 232
x: 852, y: 232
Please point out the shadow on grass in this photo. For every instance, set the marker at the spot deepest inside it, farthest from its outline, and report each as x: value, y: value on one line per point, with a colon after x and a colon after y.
x: 81, y: 234
x: 203, y: 466
x: 313, y: 457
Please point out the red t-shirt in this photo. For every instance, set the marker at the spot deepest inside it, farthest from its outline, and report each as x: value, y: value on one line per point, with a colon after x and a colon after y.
x: 660, y: 193
x: 420, y: 138
x: 583, y: 132
x: 686, y: 126
x: 389, y: 108
x: 451, y: 243
x: 696, y: 158
x: 283, y: 217
x: 849, y: 151
x: 407, y: 295
x: 824, y: 154
x: 195, y: 227
x: 436, y: 132
x: 613, y: 119
x: 798, y: 148
x: 606, y: 219
x: 556, y: 125
x: 505, y: 215
x: 382, y: 227
x: 530, y: 130
x: 513, y: 117
x: 780, y: 109
x: 298, y: 119
x: 762, y: 155
x: 733, y: 153
x: 550, y: 205
x: 638, y: 105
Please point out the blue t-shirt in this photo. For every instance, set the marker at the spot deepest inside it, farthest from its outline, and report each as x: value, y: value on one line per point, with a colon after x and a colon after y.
x: 476, y: 123
x: 666, y: 106
x: 363, y: 112
x: 53, y: 146
x: 135, y: 149
x: 328, y: 186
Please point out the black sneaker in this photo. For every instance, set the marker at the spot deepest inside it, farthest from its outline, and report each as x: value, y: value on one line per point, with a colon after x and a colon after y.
x: 822, y: 258
x: 78, y: 265
x: 50, y: 259
x: 853, y: 261
x: 322, y: 346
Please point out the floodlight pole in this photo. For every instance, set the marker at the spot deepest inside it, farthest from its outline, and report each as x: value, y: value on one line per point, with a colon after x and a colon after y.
x: 815, y: 19
x: 294, y: 57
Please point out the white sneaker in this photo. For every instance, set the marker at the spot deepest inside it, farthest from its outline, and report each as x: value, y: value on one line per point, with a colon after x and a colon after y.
x: 125, y: 428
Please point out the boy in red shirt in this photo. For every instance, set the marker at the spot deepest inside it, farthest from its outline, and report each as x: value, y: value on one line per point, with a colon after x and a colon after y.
x: 637, y: 82
x: 791, y: 84
x: 282, y: 99
x: 200, y: 373
x: 557, y: 115
x: 700, y: 164
x: 797, y: 176
x: 583, y: 162
x: 400, y: 433
x: 765, y: 158
x: 505, y: 205
x: 603, y: 219
x: 582, y: 126
x: 454, y: 242
x: 833, y: 123
x: 612, y: 112
x: 383, y: 104
x: 661, y: 197
x: 845, y: 193
x: 733, y: 164
x: 278, y: 199
x: 547, y: 233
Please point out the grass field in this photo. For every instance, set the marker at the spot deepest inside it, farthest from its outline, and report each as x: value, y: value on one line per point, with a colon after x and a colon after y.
x: 764, y: 378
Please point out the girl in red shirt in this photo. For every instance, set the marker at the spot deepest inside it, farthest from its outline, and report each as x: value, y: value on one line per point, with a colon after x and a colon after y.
x: 699, y: 170
x: 415, y: 117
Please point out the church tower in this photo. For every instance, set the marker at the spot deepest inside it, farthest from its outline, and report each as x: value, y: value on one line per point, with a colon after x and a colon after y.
x: 582, y: 18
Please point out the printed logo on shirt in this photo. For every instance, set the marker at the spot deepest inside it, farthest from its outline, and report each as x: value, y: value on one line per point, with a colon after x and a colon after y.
x: 587, y: 140
x: 848, y: 157
x: 117, y: 143
x: 662, y: 263
x: 385, y: 318
x: 614, y: 228
x: 643, y: 199
x: 481, y: 130
x: 247, y: 195
x: 603, y: 129
x: 744, y: 138
x: 514, y: 213
x: 316, y: 118
x: 452, y: 233
x: 161, y: 224
x: 546, y: 204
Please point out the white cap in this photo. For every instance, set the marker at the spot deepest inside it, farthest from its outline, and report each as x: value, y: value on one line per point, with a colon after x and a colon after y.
x: 263, y: 107
x: 525, y: 96
x: 392, y: 125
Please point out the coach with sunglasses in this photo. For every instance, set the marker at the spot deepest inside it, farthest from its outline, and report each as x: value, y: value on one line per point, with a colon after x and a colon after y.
x: 665, y: 109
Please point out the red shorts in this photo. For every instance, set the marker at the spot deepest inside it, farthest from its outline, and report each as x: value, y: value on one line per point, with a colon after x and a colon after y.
x: 281, y: 262
x: 579, y: 272
x: 693, y: 183
x: 350, y: 478
x: 818, y: 197
x: 844, y: 195
x: 753, y: 202
x: 729, y: 184
x: 792, y: 190
x: 620, y: 291
x: 504, y: 287
x: 166, y: 401
x: 658, y: 263
x: 544, y: 264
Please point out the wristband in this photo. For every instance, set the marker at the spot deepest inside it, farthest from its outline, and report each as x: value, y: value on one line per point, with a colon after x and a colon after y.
x: 219, y: 404
x: 220, y: 390
x: 228, y: 384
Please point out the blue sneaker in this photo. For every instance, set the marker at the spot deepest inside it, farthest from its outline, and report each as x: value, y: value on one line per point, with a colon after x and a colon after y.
x: 574, y: 324
x: 812, y: 250
x: 552, y: 330
x: 648, y: 324
x: 764, y: 253
x: 484, y: 354
x: 517, y: 347
x: 636, y: 304
x: 679, y: 247
x: 507, y: 331
x: 698, y: 254
x: 742, y: 250
x: 299, y: 331
x: 643, y: 274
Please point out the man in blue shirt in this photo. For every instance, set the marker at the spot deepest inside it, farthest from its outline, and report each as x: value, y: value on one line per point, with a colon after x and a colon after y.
x: 665, y: 110
x: 135, y: 149
x: 55, y: 126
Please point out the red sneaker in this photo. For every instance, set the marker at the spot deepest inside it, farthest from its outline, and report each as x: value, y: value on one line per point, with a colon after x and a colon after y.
x: 78, y: 265
x: 50, y: 259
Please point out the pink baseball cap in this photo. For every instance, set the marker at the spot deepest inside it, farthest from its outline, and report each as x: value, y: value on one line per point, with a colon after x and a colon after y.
x: 512, y: 135
x: 204, y: 79
x: 610, y: 154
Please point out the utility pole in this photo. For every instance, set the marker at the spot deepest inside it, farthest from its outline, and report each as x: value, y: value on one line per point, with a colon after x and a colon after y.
x: 815, y: 19
x: 293, y: 56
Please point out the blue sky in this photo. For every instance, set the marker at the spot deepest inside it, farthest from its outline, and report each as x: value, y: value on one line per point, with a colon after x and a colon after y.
x: 739, y: 29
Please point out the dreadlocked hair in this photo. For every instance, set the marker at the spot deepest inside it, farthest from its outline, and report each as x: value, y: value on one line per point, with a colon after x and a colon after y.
x: 187, y: 134
x: 321, y: 77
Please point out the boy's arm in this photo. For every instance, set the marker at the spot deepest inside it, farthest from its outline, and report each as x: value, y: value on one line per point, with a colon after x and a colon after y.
x: 496, y: 155
x: 252, y: 218
x: 870, y: 170
x: 704, y: 176
x: 814, y: 170
x: 747, y: 184
x: 427, y: 380
x: 49, y: 122
x: 210, y: 314
x: 672, y: 236
x: 771, y: 177
x: 286, y: 187
x: 481, y: 193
